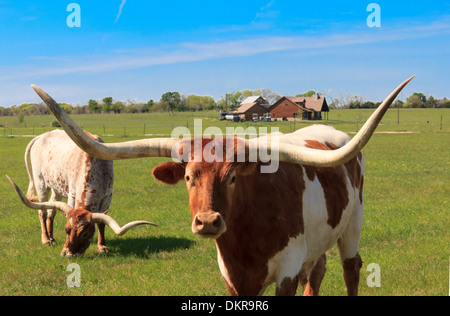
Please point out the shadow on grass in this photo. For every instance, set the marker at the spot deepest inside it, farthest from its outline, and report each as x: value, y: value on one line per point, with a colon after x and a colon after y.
x: 144, y: 247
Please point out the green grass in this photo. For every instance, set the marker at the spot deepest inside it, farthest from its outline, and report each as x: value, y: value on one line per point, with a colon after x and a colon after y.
x: 405, y: 226
x: 133, y: 125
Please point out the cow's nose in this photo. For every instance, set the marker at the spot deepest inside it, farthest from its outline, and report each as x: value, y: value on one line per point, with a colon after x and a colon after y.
x: 209, y: 225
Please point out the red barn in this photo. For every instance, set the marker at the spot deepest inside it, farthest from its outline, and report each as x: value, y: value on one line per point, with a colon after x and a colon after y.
x: 246, y: 111
x: 254, y: 105
x: 306, y: 108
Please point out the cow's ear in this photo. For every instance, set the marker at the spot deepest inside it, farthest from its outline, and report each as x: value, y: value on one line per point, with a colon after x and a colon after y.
x: 169, y: 172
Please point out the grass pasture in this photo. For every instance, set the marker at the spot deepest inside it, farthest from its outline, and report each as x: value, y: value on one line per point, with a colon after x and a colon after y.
x: 405, y: 231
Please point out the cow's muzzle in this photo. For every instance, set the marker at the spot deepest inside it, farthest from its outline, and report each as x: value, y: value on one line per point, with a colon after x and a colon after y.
x: 208, y: 225
x: 71, y: 255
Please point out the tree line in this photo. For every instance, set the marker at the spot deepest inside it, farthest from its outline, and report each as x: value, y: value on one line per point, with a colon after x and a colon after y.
x: 415, y: 100
x: 174, y: 101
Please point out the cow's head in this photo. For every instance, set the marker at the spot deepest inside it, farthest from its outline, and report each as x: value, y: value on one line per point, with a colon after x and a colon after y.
x: 80, y: 226
x: 80, y: 229
x: 210, y: 181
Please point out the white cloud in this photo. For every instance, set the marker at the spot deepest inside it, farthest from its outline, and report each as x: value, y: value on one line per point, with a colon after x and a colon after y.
x: 267, y: 5
x: 266, y: 15
x: 130, y: 59
x: 120, y: 10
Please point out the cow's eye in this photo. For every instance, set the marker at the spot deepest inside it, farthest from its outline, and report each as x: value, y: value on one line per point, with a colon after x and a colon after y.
x: 233, y: 180
x: 187, y: 178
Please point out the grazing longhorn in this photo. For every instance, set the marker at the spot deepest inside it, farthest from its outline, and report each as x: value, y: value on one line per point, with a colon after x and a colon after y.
x: 59, y: 166
x: 80, y: 226
x: 268, y: 227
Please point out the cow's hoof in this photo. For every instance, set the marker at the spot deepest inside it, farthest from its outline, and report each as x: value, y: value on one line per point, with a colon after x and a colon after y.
x: 47, y: 242
x: 64, y: 252
x: 103, y: 249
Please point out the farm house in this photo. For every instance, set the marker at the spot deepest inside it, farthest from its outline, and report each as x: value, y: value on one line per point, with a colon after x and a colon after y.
x: 305, y: 108
x: 248, y: 110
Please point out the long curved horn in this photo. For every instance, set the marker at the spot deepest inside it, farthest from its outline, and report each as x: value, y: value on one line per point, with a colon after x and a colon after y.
x: 152, y: 147
x: 56, y: 205
x: 108, y: 220
x: 163, y: 147
x: 332, y: 158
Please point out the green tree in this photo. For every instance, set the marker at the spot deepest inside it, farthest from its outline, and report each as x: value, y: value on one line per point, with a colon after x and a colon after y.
x: 118, y: 107
x: 68, y: 108
x: 208, y: 103
x: 245, y: 94
x: 199, y: 103
x: 416, y: 100
x: 398, y: 104
x: 107, y: 103
x: 93, y: 106
x: 431, y: 102
x: 170, y: 101
x: 149, y: 106
x: 21, y: 117
x: 235, y: 100
x: 355, y: 101
x: 367, y: 105
x: 310, y: 93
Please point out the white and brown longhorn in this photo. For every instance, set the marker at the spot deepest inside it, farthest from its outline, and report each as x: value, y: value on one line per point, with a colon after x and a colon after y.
x: 61, y: 167
x: 80, y: 226
x: 268, y: 227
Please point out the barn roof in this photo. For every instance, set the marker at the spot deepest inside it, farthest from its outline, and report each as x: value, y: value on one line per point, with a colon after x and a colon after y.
x: 316, y: 103
x: 251, y: 99
x: 245, y: 107
x: 254, y: 98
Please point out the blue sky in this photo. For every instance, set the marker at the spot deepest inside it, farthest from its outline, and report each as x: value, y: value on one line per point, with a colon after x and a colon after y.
x: 215, y: 47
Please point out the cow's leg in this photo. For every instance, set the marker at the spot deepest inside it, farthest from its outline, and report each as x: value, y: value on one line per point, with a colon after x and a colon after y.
x: 351, y: 274
x: 49, y: 224
x: 51, y: 216
x: 316, y: 277
x: 65, y: 249
x: 101, y: 244
x: 291, y: 268
x: 287, y: 287
x: 44, y: 234
x: 348, y: 245
x: 42, y: 193
x: 71, y: 203
x: 351, y: 265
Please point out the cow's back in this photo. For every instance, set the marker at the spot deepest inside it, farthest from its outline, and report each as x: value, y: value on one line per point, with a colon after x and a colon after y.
x: 320, y: 133
x: 72, y: 173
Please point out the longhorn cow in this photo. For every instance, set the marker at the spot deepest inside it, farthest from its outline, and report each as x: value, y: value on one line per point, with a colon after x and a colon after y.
x: 59, y: 166
x: 267, y: 227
